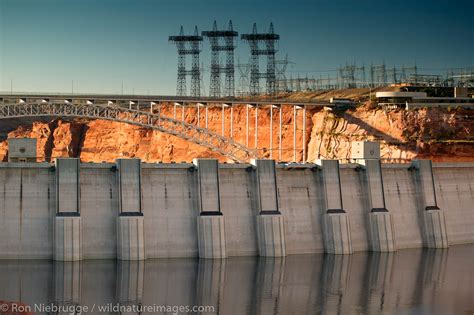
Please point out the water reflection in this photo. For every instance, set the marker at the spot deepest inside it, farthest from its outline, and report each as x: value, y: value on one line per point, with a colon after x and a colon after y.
x: 67, y: 283
x: 210, y: 282
x: 130, y: 283
x: 408, y: 282
x: 335, y: 279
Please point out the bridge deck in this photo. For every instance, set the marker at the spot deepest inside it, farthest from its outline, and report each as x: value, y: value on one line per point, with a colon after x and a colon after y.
x: 145, y: 111
x: 10, y: 98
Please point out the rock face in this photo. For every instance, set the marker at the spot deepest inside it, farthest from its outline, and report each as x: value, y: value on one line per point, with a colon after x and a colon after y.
x: 440, y: 135
x: 436, y: 134
x: 43, y: 132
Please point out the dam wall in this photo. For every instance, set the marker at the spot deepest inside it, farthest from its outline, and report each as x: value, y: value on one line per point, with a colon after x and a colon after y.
x: 170, y: 207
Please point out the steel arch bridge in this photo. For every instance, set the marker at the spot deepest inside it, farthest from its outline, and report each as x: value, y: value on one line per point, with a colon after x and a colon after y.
x: 202, y: 136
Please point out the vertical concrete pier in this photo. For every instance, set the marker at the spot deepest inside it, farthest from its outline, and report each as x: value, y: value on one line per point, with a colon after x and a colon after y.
x: 336, y: 223
x: 130, y: 225
x: 210, y: 222
x: 67, y: 223
x: 434, y: 221
x: 270, y: 231
x: 382, y: 238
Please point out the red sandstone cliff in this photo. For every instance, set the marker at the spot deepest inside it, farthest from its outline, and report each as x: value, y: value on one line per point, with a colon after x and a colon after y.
x: 441, y: 135
x: 436, y: 134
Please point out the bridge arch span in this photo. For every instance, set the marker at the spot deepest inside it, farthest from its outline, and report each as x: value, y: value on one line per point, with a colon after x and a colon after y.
x: 201, y: 136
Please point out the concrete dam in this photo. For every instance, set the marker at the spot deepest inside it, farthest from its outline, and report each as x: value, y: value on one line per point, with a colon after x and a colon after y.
x: 131, y: 210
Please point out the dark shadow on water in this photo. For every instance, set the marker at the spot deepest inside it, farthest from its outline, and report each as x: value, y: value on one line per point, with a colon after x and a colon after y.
x: 413, y: 281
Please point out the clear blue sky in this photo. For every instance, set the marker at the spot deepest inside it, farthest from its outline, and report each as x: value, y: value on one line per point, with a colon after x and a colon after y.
x: 45, y: 44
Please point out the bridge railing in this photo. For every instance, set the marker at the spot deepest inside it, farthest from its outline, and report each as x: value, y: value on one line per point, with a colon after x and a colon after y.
x: 202, y: 136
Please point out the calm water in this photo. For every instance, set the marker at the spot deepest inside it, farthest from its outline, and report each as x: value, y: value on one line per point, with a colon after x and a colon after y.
x: 411, y: 281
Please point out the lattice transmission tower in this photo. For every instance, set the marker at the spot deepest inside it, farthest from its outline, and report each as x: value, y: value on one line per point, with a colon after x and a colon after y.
x: 244, y: 81
x: 280, y: 68
x: 378, y: 75
x: 227, y: 37
x: 269, y: 40
x: 188, y: 45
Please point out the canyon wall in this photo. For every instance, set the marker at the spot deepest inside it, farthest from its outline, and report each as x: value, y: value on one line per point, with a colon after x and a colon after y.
x: 438, y: 134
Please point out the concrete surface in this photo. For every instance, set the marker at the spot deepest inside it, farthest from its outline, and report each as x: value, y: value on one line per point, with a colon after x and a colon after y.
x: 210, y: 224
x: 130, y: 238
x: 382, y: 237
x: 337, y: 233
x: 67, y: 185
x: 331, y: 181
x: 266, y: 186
x: 170, y: 200
x: 211, y: 236
x: 22, y: 150
x: 336, y: 222
x: 434, y: 227
x: 374, y: 185
x: 381, y: 232
x: 271, y: 235
x: 129, y: 182
x: 270, y: 229
x: 67, y: 238
x: 208, y: 185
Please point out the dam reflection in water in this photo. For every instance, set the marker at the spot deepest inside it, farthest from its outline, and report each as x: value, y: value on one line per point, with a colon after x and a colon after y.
x: 415, y: 281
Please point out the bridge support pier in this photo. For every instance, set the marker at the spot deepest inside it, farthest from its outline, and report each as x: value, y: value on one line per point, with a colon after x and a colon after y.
x: 270, y: 230
x: 336, y: 223
x: 210, y: 222
x: 434, y: 221
x: 67, y: 223
x: 130, y: 225
x: 382, y: 233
